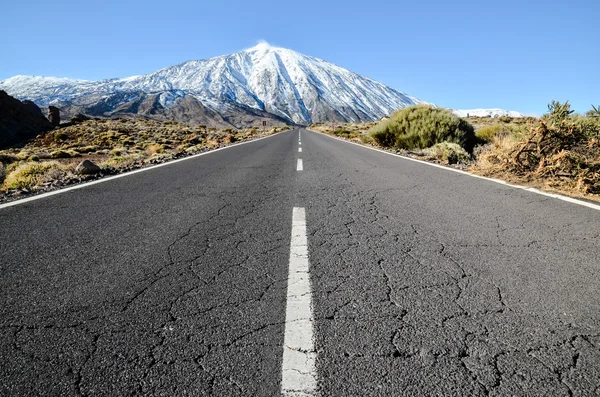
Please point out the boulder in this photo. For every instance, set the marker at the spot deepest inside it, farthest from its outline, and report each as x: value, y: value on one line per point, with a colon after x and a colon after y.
x: 86, y: 167
x: 19, y: 121
x: 54, y: 115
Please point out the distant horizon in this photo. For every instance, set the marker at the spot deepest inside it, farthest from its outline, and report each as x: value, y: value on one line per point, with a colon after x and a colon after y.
x: 462, y: 55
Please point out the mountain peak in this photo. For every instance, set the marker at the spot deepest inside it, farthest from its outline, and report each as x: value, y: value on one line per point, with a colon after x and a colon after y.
x: 261, y: 46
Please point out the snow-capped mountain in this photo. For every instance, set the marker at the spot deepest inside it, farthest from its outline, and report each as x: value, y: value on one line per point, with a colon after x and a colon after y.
x: 264, y: 80
x: 486, y: 113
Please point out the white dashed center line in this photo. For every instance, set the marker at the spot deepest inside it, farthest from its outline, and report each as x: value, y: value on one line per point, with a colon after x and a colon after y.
x: 299, y: 167
x: 299, y: 150
x: 298, y: 374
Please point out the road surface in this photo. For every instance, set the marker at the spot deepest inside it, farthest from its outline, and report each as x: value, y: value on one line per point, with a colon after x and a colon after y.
x: 247, y: 272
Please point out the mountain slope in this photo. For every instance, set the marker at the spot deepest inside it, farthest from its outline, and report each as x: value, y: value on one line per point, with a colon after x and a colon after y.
x: 265, y: 79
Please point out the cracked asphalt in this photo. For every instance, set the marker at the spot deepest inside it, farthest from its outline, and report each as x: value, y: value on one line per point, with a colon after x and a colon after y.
x: 424, y: 281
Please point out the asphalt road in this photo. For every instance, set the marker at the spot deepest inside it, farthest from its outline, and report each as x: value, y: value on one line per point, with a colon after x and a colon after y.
x: 174, y: 281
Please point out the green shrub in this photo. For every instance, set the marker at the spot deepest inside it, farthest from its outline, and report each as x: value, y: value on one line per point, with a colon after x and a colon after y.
x: 488, y: 133
x: 588, y: 126
x: 422, y: 126
x: 449, y: 152
x: 60, y: 154
x: 383, y: 136
x: 368, y: 139
x: 60, y: 136
x: 33, y: 158
x: 2, y: 173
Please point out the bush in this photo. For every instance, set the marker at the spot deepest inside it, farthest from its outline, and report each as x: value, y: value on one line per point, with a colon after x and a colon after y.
x: 489, y: 132
x: 60, y: 136
x: 561, y: 149
x: 368, y: 139
x: 60, y: 154
x: 28, y: 175
x: 341, y: 132
x: 449, y: 152
x: 422, y: 126
x: 87, y: 149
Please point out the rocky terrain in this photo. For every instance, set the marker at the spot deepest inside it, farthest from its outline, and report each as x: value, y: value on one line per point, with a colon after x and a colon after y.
x: 19, y: 121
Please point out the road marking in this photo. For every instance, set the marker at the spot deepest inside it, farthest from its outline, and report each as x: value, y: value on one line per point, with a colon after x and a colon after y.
x: 299, y: 150
x: 298, y: 369
x: 299, y: 167
x: 110, y: 178
x: 500, y: 181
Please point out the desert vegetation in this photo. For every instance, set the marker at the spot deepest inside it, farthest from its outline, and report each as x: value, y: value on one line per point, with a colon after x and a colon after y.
x: 421, y: 127
x: 51, y: 159
x: 559, y: 151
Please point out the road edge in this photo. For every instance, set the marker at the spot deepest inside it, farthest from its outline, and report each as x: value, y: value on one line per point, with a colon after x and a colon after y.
x: 499, y: 181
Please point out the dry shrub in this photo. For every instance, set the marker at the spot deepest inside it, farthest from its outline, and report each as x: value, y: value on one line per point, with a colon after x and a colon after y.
x: 153, y: 149
x: 212, y: 142
x: 561, y: 150
x: 28, y: 175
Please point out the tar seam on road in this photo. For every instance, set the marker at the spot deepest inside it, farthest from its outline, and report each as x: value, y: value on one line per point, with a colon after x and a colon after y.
x: 500, y: 181
x: 110, y: 178
x: 298, y: 369
x: 300, y: 166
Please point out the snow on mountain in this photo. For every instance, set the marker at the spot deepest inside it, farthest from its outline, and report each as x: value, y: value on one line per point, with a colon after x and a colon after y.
x: 282, y: 82
x: 486, y: 113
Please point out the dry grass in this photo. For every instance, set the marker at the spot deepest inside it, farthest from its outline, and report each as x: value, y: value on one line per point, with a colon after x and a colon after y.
x: 558, y: 153
x: 114, y: 145
x: 354, y: 131
x: 24, y: 175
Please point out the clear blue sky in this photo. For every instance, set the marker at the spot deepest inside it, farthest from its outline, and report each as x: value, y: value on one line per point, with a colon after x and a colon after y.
x: 516, y: 55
